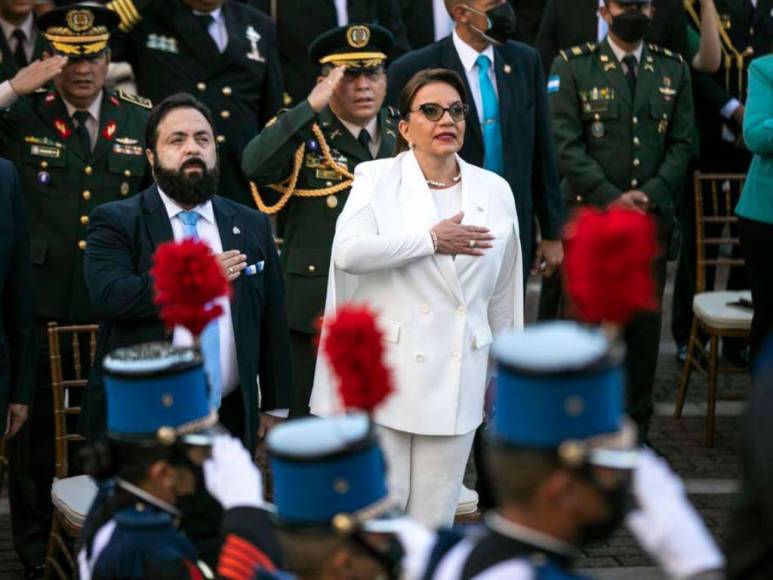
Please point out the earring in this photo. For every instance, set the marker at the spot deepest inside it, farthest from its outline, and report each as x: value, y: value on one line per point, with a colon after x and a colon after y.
x: 411, y: 145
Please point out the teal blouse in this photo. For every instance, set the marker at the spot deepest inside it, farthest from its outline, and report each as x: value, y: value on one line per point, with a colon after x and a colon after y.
x: 756, y: 201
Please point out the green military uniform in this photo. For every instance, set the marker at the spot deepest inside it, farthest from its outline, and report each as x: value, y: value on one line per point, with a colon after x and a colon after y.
x: 303, y: 165
x: 63, y: 183
x: 610, y: 140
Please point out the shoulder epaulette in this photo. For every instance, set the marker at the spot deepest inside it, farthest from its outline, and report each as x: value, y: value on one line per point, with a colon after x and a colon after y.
x: 135, y: 99
x: 579, y: 50
x: 665, y: 52
x: 273, y: 119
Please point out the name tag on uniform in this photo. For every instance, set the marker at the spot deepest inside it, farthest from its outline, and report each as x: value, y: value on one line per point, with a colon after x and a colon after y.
x: 45, y: 151
x: 328, y: 174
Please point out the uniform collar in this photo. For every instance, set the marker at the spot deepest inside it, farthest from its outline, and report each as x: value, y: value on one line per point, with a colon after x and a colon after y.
x: 620, y: 53
x: 28, y: 27
x: 468, y: 55
x: 216, y: 14
x: 371, y: 127
x: 205, y: 210
x: 526, y: 535
x: 93, y: 109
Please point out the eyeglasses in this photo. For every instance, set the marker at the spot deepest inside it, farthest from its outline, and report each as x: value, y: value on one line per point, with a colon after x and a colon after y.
x: 435, y: 112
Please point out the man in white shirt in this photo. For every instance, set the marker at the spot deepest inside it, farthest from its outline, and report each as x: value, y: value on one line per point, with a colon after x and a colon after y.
x: 247, y: 348
x: 20, y: 42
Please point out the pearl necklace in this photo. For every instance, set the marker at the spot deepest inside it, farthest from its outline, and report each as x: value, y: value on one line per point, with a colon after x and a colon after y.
x: 441, y: 184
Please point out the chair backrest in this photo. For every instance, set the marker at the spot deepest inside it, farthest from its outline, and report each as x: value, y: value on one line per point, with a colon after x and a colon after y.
x: 715, y: 197
x: 69, y: 342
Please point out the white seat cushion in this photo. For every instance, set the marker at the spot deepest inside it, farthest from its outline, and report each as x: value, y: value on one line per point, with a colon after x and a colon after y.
x: 73, y: 497
x: 468, y: 502
x: 713, y: 308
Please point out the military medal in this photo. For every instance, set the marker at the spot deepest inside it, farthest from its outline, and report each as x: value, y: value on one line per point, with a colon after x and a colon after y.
x: 253, y: 36
x: 597, y: 128
x: 312, y: 145
x: 663, y: 124
x: 43, y: 177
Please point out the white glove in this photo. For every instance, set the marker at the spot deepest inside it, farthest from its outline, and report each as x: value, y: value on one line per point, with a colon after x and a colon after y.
x: 667, y: 526
x: 231, y: 476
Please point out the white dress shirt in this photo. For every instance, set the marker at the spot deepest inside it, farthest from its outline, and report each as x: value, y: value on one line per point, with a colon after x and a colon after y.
x: 372, y: 128
x: 443, y: 23
x: 468, y: 55
x: 342, y: 12
x: 603, y: 27
x: 92, y: 123
x: 620, y: 53
x: 208, y: 233
x: 27, y: 27
x: 217, y: 29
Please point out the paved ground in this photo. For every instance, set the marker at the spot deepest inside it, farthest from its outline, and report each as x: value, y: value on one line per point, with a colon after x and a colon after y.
x: 711, y: 475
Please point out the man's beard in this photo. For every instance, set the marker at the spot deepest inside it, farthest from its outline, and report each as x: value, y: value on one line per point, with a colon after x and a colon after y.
x: 188, y: 189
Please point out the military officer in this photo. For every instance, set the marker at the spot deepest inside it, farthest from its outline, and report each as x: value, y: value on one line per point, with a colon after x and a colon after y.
x: 222, y: 52
x: 165, y: 445
x: 622, y: 116
x: 304, y: 163
x: 75, y: 146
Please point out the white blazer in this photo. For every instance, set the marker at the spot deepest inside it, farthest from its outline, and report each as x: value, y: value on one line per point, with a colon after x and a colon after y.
x: 438, y: 313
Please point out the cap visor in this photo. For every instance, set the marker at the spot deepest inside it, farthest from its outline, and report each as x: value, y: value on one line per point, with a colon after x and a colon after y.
x: 615, y: 451
x: 204, y: 437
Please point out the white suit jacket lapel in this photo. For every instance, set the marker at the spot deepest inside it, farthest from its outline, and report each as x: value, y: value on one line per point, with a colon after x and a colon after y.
x: 417, y: 203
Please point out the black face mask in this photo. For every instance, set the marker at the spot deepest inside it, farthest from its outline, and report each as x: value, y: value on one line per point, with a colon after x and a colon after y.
x: 188, y: 190
x: 618, y: 501
x: 630, y: 27
x: 501, y: 23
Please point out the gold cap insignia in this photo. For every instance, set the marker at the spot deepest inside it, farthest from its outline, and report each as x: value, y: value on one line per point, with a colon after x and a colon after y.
x: 80, y: 20
x: 358, y: 36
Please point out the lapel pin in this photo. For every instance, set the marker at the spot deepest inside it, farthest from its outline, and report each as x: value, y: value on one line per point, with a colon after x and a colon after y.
x: 507, y: 69
x: 480, y: 208
x: 236, y: 231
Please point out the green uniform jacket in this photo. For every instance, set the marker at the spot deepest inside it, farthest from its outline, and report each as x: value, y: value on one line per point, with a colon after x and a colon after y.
x: 610, y: 141
x: 307, y: 224
x: 62, y: 183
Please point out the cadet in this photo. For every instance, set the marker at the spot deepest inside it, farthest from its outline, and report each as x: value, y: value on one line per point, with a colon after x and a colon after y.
x: 304, y: 162
x: 222, y: 52
x: 164, y: 444
x: 75, y: 146
x: 622, y: 121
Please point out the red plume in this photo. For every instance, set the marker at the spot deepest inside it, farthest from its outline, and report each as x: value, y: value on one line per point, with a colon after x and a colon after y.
x: 608, y: 264
x: 354, y: 348
x: 187, y: 280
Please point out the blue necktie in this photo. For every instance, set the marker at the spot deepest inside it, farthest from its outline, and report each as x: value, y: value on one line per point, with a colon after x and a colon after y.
x: 493, y: 158
x: 210, y: 337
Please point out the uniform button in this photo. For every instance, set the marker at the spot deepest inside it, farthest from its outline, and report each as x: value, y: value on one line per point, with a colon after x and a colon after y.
x: 88, y: 170
x: 86, y: 195
x: 43, y: 164
x: 328, y: 184
x: 331, y: 201
x: 127, y: 173
x: 634, y: 182
x: 84, y: 219
x: 82, y: 244
x: 312, y: 268
x: 227, y: 91
x: 425, y: 308
x: 124, y: 188
x: 636, y: 120
x: 456, y: 356
x: 420, y: 357
x: 225, y: 114
x: 461, y: 310
x: 578, y: 199
x: 201, y: 86
x: 636, y: 141
x: 636, y: 162
x: 220, y: 139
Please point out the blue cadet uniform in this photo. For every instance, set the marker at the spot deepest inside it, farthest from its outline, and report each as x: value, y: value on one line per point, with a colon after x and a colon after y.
x: 157, y: 398
x: 329, y: 476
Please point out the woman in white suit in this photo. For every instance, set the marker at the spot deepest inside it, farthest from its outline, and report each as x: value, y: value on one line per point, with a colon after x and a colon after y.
x: 431, y: 244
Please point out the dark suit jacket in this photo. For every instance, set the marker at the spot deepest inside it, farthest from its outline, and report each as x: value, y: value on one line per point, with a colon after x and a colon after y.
x: 170, y: 52
x: 122, y: 238
x: 567, y: 23
x: 8, y: 68
x: 530, y: 160
x: 17, y: 322
x: 299, y: 22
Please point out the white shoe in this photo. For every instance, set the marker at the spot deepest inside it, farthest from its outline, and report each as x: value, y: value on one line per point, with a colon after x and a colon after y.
x: 468, y: 502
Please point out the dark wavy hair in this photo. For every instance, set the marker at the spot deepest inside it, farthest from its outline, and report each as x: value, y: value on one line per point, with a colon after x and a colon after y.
x: 420, y: 80
x: 169, y: 104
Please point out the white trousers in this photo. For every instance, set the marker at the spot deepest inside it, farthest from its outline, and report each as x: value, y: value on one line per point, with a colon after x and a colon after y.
x: 426, y: 472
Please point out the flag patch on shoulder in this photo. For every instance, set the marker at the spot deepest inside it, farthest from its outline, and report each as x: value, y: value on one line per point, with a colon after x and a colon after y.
x: 554, y: 83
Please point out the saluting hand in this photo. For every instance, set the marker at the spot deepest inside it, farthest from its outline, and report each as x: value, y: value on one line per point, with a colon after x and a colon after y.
x: 319, y: 97
x: 454, y: 238
x: 37, y: 74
